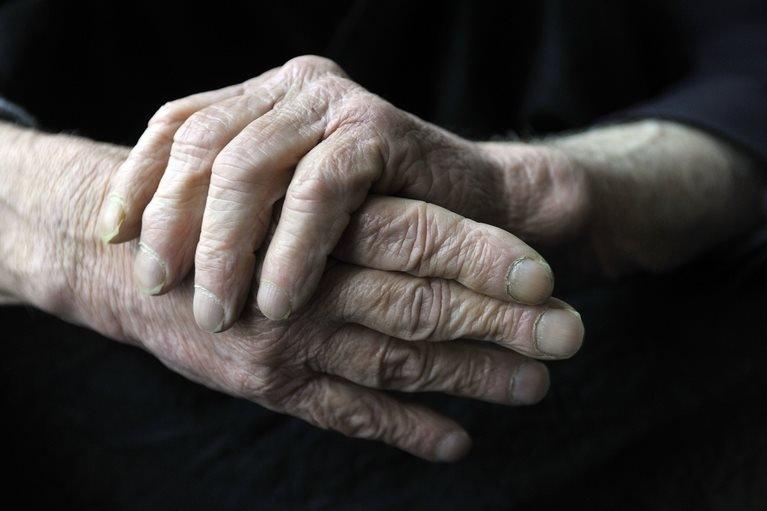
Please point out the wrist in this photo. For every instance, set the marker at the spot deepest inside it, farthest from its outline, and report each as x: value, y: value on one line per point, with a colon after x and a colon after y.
x: 547, y: 193
x: 661, y: 193
x: 53, y: 186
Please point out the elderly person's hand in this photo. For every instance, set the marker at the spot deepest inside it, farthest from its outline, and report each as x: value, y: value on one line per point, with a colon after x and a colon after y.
x: 367, y: 329
x: 209, y: 169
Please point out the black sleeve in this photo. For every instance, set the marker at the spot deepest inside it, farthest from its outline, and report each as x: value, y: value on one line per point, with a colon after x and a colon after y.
x: 14, y: 113
x: 17, y: 32
x: 724, y: 89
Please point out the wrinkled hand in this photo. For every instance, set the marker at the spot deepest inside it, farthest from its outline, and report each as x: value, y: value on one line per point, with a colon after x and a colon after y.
x: 369, y: 329
x: 210, y: 167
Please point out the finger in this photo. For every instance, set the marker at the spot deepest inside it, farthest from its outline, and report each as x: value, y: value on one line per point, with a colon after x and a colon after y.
x: 376, y: 360
x: 172, y: 220
x: 362, y: 413
x: 329, y: 183
x: 248, y: 177
x: 428, y: 309
x: 390, y: 233
x: 136, y: 180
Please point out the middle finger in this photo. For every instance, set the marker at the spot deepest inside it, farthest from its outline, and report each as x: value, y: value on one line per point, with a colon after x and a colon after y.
x: 432, y: 309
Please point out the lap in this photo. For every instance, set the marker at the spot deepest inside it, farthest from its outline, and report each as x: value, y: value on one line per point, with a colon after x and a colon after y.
x: 664, y: 404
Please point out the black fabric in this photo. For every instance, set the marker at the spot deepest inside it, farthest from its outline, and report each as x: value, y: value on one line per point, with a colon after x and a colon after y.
x: 478, y: 68
x: 663, y: 408
x: 15, y: 114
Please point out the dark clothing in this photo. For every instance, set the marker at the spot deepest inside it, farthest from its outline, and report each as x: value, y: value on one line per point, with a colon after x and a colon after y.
x: 663, y: 407
x: 477, y: 68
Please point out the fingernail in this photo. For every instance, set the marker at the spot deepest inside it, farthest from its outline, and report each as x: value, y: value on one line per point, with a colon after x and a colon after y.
x: 208, y: 310
x: 453, y: 447
x: 273, y: 301
x: 112, y: 218
x: 149, y: 270
x: 529, y: 384
x: 529, y: 281
x: 559, y: 332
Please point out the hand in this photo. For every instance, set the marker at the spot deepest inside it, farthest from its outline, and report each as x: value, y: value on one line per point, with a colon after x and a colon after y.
x: 210, y: 167
x: 370, y: 330
x: 367, y: 331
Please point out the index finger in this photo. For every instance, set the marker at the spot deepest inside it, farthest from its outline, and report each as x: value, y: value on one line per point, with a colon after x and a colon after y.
x: 137, y: 178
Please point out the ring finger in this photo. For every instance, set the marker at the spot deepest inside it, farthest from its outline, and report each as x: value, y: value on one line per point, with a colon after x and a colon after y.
x: 376, y: 360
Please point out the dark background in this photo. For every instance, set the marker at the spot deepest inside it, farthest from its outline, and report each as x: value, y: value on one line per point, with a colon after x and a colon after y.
x: 664, y: 406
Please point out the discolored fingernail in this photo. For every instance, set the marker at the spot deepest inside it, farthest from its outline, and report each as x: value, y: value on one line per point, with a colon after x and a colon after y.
x: 112, y: 218
x: 208, y: 310
x: 529, y: 384
x: 529, y: 281
x: 453, y: 447
x: 149, y: 270
x: 273, y: 301
x: 559, y: 332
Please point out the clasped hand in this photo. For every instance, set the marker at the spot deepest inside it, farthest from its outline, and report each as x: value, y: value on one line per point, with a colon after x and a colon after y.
x: 365, y: 235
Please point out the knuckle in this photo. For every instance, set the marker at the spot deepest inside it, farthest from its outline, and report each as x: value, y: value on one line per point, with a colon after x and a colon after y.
x: 149, y: 147
x: 328, y: 94
x: 346, y: 169
x: 309, y: 66
x: 381, y: 113
x: 375, y: 145
x: 359, y: 422
x: 474, y: 376
x: 423, y: 243
x: 418, y: 236
x: 236, y: 163
x: 304, y: 110
x: 158, y: 214
x: 171, y: 112
x: 473, y: 254
x: 424, y: 302
x: 327, y: 87
x: 201, y: 131
x: 402, y: 366
x: 232, y: 156
x: 193, y: 145
x: 375, y: 117
x: 214, y: 255
x: 492, y: 320
x: 336, y: 82
x: 317, y: 190
x: 370, y: 109
x: 360, y: 418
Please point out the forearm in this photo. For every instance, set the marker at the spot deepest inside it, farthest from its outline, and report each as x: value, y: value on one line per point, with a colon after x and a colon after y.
x: 661, y: 193
x: 51, y: 188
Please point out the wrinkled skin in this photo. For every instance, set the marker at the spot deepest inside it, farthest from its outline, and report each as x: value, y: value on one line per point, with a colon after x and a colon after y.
x: 657, y: 194
x: 366, y: 330
x: 323, y: 367
x: 215, y: 164
x: 370, y: 329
